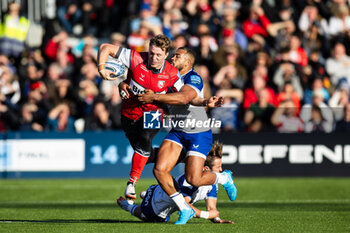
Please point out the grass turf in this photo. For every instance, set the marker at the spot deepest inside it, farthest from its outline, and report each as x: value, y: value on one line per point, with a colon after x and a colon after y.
x: 262, y: 205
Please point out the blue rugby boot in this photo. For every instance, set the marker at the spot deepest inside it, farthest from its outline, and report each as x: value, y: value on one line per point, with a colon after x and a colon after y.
x: 230, y: 186
x: 185, y: 215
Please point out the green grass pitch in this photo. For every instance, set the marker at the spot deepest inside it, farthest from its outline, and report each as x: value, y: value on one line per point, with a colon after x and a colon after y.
x: 88, y: 205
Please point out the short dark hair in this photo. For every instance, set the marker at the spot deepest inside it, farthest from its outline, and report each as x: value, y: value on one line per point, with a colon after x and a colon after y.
x: 190, y: 53
x: 161, y: 41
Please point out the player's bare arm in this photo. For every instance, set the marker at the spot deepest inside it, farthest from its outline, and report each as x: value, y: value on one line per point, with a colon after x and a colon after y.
x: 104, y: 51
x: 212, y: 102
x: 184, y: 96
x: 211, y: 207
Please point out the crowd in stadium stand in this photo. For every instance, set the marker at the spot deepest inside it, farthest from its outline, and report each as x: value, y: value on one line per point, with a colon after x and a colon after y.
x: 280, y: 65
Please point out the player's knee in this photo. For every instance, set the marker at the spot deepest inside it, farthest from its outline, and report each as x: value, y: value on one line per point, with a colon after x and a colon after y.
x: 193, y: 180
x: 159, y: 171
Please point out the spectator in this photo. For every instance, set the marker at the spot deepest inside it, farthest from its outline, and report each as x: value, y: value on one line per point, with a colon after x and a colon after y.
x: 344, y: 124
x: 339, y: 100
x: 203, y: 71
x: 227, y: 78
x: 286, y: 73
x: 137, y: 39
x: 317, y: 123
x: 326, y: 113
x: 258, y: 83
x: 202, y: 13
x: 257, y: 23
x: 317, y: 85
x: 204, y: 45
x: 338, y: 65
x: 146, y: 14
x: 339, y: 23
x: 100, y: 119
x: 59, y: 119
x: 285, y: 118
x: 309, y: 19
x: 28, y: 121
x: 69, y: 14
x: 13, y: 31
x: 258, y: 116
x: 297, y: 53
x: 8, y: 117
x: 173, y: 23
x: 59, y: 43
x: 288, y: 93
x: 230, y: 55
x: 9, y: 85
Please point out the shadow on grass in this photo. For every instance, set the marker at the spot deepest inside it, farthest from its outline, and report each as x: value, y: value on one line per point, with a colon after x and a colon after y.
x: 269, y: 206
x: 69, y: 221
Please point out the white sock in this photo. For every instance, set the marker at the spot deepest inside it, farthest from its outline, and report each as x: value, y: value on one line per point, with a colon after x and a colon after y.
x: 179, y: 200
x: 221, y: 178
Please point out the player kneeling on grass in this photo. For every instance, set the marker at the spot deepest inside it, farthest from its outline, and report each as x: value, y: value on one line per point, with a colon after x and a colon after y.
x: 157, y: 206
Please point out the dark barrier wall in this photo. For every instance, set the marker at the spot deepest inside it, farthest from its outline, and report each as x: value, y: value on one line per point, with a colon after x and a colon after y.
x: 272, y: 154
x: 108, y: 154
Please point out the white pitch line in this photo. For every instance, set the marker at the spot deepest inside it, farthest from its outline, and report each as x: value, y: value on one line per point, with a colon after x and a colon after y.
x: 219, y: 201
x: 68, y: 186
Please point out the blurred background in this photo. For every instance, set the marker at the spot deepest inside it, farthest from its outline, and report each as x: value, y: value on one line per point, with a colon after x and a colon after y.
x: 283, y: 68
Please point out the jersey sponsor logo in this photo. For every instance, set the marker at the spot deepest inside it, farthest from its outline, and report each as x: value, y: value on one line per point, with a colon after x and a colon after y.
x: 144, y: 67
x: 163, y: 76
x: 136, y: 88
x: 151, y: 120
x: 142, y: 77
x: 161, y: 83
x: 195, y: 80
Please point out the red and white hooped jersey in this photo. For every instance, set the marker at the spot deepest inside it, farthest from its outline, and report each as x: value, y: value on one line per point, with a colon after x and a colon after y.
x: 141, y: 78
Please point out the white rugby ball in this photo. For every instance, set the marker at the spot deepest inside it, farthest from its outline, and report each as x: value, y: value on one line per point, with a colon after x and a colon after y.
x: 116, y: 67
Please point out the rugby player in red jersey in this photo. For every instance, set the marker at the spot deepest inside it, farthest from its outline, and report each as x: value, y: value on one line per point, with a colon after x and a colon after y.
x: 146, y: 70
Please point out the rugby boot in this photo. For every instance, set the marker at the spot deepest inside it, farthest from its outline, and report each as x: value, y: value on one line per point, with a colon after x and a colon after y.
x: 130, y: 193
x: 185, y: 215
x: 230, y: 186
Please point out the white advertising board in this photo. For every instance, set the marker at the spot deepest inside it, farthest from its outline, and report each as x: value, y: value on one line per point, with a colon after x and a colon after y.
x: 42, y: 155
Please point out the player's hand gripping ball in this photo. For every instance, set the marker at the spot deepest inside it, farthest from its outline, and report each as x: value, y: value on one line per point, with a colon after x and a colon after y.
x: 115, y: 66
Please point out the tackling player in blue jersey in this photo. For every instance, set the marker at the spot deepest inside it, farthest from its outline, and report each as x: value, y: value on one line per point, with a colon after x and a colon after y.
x: 157, y: 206
x: 192, y: 135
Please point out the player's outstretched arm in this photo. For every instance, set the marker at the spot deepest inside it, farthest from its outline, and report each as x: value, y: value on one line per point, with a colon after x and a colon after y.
x: 212, y: 102
x: 211, y: 207
x: 209, y: 214
x: 184, y: 96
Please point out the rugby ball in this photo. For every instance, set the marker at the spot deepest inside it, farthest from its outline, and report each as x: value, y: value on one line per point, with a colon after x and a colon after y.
x: 116, y: 67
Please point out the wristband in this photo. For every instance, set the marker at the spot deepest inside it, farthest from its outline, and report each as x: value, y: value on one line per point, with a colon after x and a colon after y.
x: 204, y: 214
x: 101, y: 64
x: 217, y: 219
